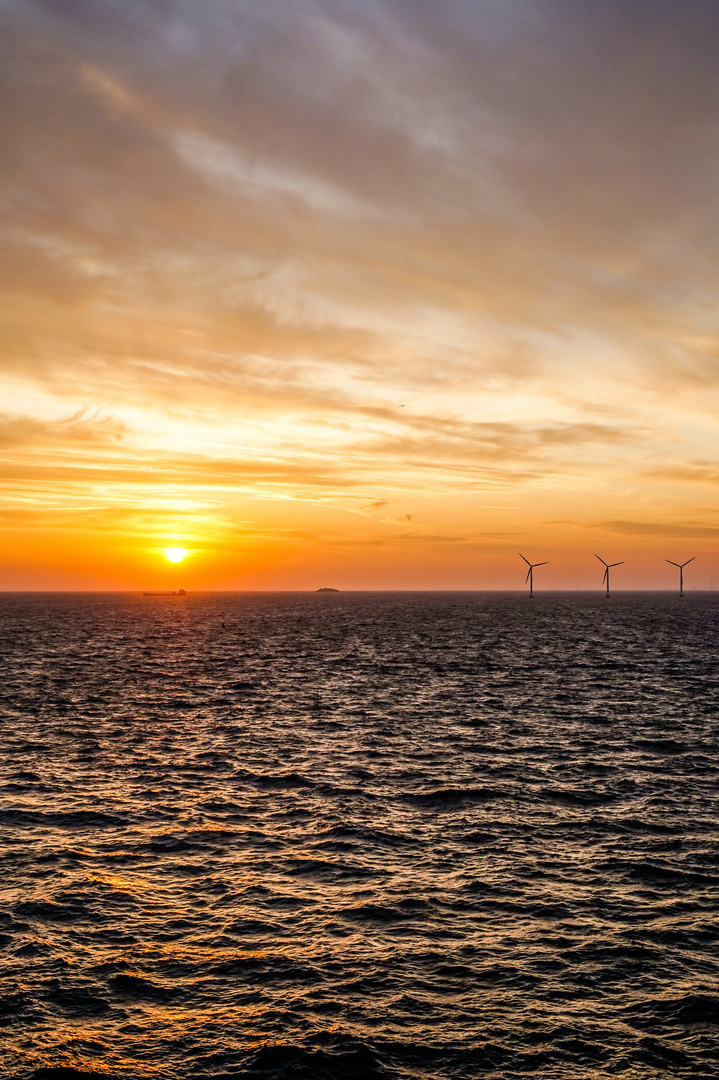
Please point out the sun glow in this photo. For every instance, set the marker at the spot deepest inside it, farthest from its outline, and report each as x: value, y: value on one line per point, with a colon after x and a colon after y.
x: 175, y: 554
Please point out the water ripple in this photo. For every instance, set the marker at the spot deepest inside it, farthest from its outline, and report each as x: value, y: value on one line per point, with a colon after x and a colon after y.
x: 359, y: 836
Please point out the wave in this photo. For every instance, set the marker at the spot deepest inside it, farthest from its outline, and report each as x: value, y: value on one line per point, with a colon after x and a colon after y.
x: 448, y: 797
x: 68, y: 819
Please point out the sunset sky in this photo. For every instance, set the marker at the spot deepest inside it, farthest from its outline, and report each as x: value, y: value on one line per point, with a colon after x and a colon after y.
x: 358, y: 293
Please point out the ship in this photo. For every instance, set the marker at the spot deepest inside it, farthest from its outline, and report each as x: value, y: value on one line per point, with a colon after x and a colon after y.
x: 167, y: 592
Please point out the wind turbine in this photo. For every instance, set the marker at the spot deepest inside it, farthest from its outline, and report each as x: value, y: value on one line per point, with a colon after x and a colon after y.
x: 681, y: 571
x: 608, y: 566
x: 529, y: 573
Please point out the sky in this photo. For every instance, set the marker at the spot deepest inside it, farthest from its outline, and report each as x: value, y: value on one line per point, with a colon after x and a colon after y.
x: 369, y: 294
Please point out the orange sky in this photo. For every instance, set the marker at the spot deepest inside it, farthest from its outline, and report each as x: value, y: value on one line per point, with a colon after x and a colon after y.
x: 369, y: 294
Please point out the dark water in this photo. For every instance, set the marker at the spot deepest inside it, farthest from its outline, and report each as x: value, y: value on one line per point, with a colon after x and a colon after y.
x: 355, y: 835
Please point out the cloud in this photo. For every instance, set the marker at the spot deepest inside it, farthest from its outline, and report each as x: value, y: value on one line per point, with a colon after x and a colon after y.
x: 699, y: 472
x: 372, y: 508
x: 694, y: 529
x: 236, y: 236
x: 230, y: 168
x: 77, y: 433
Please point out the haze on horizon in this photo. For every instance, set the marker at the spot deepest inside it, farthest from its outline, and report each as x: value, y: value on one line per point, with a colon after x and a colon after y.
x: 358, y: 293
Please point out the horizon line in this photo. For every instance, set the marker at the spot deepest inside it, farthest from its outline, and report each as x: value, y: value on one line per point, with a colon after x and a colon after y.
x: 313, y: 592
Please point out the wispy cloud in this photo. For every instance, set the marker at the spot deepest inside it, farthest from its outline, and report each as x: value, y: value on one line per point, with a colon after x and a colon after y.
x: 696, y: 529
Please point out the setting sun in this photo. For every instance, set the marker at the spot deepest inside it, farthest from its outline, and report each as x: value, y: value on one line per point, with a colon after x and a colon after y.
x: 175, y: 554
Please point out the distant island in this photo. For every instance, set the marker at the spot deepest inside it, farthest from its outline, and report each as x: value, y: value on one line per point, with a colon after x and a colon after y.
x: 325, y: 589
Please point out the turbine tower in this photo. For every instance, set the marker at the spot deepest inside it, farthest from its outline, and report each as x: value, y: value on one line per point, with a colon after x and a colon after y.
x: 529, y: 577
x: 608, y: 566
x: 681, y: 571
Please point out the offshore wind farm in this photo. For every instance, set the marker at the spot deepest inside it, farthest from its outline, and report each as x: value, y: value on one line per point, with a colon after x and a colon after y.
x: 607, y: 567
x: 527, y: 580
x: 680, y: 567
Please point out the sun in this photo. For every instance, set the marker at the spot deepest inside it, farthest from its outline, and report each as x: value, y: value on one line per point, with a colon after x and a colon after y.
x: 175, y: 554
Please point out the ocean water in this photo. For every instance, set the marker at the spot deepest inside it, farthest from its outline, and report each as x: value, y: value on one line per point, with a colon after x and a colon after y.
x: 359, y: 835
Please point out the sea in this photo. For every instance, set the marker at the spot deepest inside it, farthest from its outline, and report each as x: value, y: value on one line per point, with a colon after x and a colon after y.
x: 359, y: 835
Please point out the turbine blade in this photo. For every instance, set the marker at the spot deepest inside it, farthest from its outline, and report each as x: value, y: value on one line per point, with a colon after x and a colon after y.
x: 689, y: 560
x: 672, y: 562
x: 606, y: 574
x: 527, y: 577
x: 522, y: 557
x: 541, y: 563
x: 600, y: 559
x: 617, y: 563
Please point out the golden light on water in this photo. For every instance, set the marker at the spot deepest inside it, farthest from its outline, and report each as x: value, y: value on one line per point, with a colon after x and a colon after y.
x: 175, y: 555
